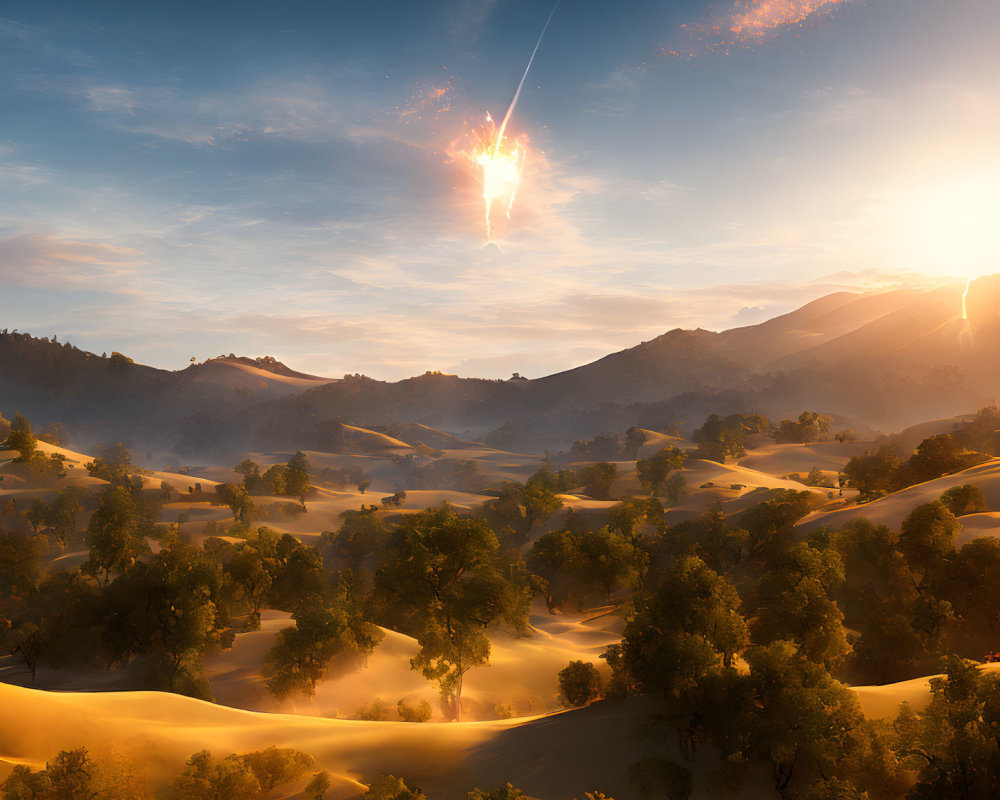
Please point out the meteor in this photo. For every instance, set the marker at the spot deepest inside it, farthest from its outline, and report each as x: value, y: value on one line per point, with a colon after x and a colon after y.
x: 501, y: 163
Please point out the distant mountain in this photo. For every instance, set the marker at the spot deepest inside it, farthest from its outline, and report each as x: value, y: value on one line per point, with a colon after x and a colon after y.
x: 885, y: 359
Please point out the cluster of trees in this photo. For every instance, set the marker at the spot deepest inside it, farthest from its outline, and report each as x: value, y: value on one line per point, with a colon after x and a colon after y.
x: 580, y: 567
x: 389, y: 787
x: 880, y: 471
x: 720, y: 437
x: 33, y: 465
x: 746, y: 633
x: 74, y: 775
x: 289, y: 480
x: 811, y: 426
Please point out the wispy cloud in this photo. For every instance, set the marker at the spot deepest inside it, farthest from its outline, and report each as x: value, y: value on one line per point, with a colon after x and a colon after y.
x: 48, y: 261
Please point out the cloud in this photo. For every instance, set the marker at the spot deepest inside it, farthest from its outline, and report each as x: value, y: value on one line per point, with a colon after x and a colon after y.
x: 49, y: 261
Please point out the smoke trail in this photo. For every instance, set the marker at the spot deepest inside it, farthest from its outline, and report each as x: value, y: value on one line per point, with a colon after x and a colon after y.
x: 517, y: 94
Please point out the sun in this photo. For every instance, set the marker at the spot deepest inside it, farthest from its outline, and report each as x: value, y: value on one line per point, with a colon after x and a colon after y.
x: 948, y: 226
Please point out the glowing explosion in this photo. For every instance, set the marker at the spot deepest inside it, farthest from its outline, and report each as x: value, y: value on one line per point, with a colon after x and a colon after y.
x: 501, y: 162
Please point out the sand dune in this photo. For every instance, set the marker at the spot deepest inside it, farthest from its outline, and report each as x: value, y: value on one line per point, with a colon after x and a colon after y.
x: 892, y: 509
x: 522, y: 675
x: 780, y: 459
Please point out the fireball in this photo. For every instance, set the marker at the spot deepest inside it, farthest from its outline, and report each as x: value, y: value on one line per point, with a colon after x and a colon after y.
x: 500, y: 162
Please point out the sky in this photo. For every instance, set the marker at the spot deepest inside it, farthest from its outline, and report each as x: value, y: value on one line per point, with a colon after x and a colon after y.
x: 182, y: 180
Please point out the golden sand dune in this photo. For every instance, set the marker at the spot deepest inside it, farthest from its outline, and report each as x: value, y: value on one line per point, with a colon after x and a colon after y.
x: 522, y: 677
x: 892, y: 509
x: 780, y: 459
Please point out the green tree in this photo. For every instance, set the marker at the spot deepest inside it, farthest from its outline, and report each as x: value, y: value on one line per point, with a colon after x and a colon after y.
x: 792, y: 601
x: 112, y: 464
x: 323, y: 628
x: 38, y: 514
x: 167, y: 610
x: 955, y: 741
x: 927, y: 538
x: 235, y: 496
x: 654, y: 471
x: 874, y: 474
x: 66, y: 509
x: 113, y: 534
x: 688, y: 628
x: 505, y: 792
x: 964, y: 499
x: 804, y: 721
x: 720, y: 437
x: 443, y: 582
x: 579, y: 683
x: 599, y: 478
x: 318, y: 785
x: 275, y: 479
x: 297, y: 476
x: 389, y: 787
x: 21, y: 438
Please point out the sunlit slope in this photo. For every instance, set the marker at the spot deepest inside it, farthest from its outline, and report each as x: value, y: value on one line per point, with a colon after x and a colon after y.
x: 892, y: 509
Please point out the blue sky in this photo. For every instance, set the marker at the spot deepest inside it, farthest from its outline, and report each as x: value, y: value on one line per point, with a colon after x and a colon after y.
x: 190, y: 179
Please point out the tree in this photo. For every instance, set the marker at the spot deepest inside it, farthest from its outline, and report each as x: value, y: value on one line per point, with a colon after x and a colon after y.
x: 599, y: 478
x: 421, y: 712
x: 204, y: 779
x: 810, y: 427
x: 901, y: 629
x: 955, y: 741
x: 275, y: 479
x: 318, y: 785
x: 112, y: 464
x: 442, y: 582
x: 277, y: 765
x: 21, y: 438
x: 964, y: 499
x: 579, y: 683
x: 688, y: 628
x: 654, y: 471
x: 540, y: 496
x: 939, y: 455
x: 389, y: 787
x: 323, y: 628
x: 253, y: 482
x: 72, y: 775
x: 65, y: 510
x: 720, y: 437
x: 873, y: 474
x: 793, y: 602
x: 583, y: 565
x: 113, y: 534
x: 804, y: 721
x: 505, y: 792
x: 236, y: 496
x: 928, y: 537
x: 168, y: 611
x: 38, y: 514
x: 297, y: 476
x: 20, y: 564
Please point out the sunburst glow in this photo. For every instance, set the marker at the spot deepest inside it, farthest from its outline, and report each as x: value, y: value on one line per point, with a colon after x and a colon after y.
x: 501, y: 162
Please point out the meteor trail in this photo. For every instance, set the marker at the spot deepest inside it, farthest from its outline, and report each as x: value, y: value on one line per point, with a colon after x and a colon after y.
x: 517, y: 94
x: 501, y: 166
